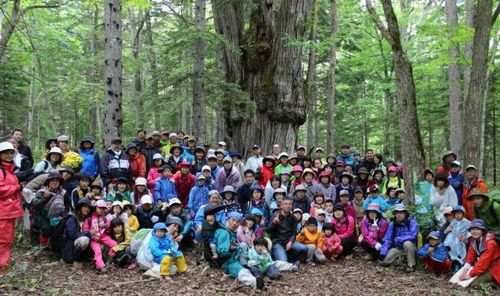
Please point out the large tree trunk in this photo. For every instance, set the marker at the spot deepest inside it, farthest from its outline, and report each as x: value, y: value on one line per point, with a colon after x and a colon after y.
x: 113, y: 119
x: 154, y: 72
x: 199, y: 116
x: 269, y: 70
x: 310, y: 78
x: 474, y: 101
x: 456, y: 107
x: 331, y: 79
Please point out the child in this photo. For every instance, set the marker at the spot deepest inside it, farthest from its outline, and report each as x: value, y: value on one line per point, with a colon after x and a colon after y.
x: 344, y: 200
x: 122, y: 236
x: 391, y: 198
x: 329, y: 210
x: 109, y: 204
x: 95, y: 192
x: 297, y: 172
x: 434, y: 254
x: 313, y: 239
x: 345, y: 184
x: 456, y: 179
x: 379, y: 178
x: 318, y: 203
x: 448, y: 215
x: 209, y: 225
x: 373, y: 229
x: 164, y: 249
x: 298, y: 214
x: 260, y: 261
x: 80, y: 191
x: 129, y: 209
x: 245, y: 234
x: 278, y: 196
x: 311, y: 186
x: 326, y: 186
x: 139, y: 191
x: 97, y: 221
x: 362, y: 179
x: 457, y: 238
x: 357, y: 203
x: 401, y: 195
x: 198, y: 195
x: 154, y: 174
x: 331, y: 242
x: 257, y: 202
x: 186, y: 236
x: 423, y: 187
x: 229, y: 200
x: 117, y: 212
x: 374, y: 197
x: 321, y: 216
x: 120, y: 191
x: 144, y: 213
x: 164, y: 186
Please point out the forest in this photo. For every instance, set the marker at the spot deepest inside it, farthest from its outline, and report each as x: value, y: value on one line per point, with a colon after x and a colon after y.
x: 409, y: 79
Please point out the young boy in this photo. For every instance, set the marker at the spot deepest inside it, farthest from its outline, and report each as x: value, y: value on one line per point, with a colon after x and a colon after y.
x: 434, y: 254
x: 210, y: 219
x: 312, y: 237
x: 81, y: 191
x: 357, y: 203
x: 345, y: 184
x: 456, y: 179
x: 329, y: 210
x: 164, y: 186
x: 260, y: 261
x: 374, y: 197
x: 448, y: 216
x: 185, y: 237
x: 457, y: 238
x: 321, y: 216
x: 164, y: 249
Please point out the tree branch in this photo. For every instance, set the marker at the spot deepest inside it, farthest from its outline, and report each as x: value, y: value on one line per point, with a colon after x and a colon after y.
x: 495, y: 15
x: 177, y: 14
x: 40, y: 6
x: 381, y: 27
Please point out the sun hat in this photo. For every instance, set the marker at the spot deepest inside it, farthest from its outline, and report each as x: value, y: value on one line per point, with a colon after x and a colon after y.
x: 448, y: 211
x: 339, y: 207
x: 146, y: 199
x: 4, y: 146
x: 306, y: 171
x: 164, y: 167
x: 52, y: 176
x: 206, y: 168
x: 172, y: 135
x: 101, y: 204
x: 63, y: 138
x: 201, y: 177
x: 343, y: 192
x: 157, y: 156
x: 300, y: 187
x: 458, y: 208
x: 320, y: 212
x: 374, y: 207
x: 470, y: 167
x: 171, y: 151
x: 229, y: 188
x: 67, y: 168
x: 478, y: 223
x: 297, y: 168
x: 285, y: 172
x: 392, y: 169
x: 141, y: 181
x: 399, y: 208
x: 55, y: 150
x: 449, y: 153
x: 362, y: 170
x: 297, y: 210
x: 184, y: 164
x: 227, y: 159
x: 126, y: 203
x: 82, y: 202
x: 117, y: 203
x: 235, y: 153
x: 477, y: 192
x: 87, y: 139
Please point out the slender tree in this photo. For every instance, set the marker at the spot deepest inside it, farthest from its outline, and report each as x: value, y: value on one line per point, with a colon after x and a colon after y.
x: 331, y: 78
x: 199, y: 73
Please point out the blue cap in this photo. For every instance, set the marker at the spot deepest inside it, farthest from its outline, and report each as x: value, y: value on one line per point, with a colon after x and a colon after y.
x: 459, y: 208
x: 160, y: 225
x: 234, y: 215
x: 434, y: 234
x: 477, y: 223
x: 255, y: 146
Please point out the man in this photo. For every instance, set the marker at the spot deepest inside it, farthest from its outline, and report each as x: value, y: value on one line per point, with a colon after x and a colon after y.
x: 368, y: 162
x: 141, y: 141
x: 486, y: 209
x: 63, y: 143
x: 447, y: 159
x: 400, y: 238
x: 319, y: 154
x: 244, y: 193
x: 346, y: 156
x: 149, y: 151
x: 222, y: 145
x: 472, y: 182
x: 115, y: 164
x: 254, y: 162
x: 22, y: 148
x: 283, y: 229
x: 156, y: 138
x: 300, y: 200
x: 276, y: 153
x: 301, y: 152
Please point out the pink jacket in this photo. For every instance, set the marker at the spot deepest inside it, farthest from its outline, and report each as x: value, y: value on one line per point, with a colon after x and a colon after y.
x: 92, y: 222
x: 152, y: 176
x: 245, y: 235
x: 330, y: 241
x: 345, y: 228
x: 314, y: 208
x: 370, y: 234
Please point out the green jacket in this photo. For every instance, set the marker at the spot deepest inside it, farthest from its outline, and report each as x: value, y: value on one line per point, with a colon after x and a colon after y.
x: 484, y: 213
x: 223, y: 240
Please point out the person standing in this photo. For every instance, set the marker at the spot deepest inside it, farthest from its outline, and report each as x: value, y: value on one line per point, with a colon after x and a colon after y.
x: 471, y: 182
x: 23, y: 148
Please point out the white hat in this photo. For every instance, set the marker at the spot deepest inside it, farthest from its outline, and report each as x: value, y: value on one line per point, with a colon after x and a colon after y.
x: 174, y: 201
x: 172, y: 135
x: 206, y: 167
x: 140, y: 181
x: 222, y: 143
x: 117, y: 203
x: 56, y: 150
x: 62, y: 138
x: 4, y: 146
x: 146, y: 199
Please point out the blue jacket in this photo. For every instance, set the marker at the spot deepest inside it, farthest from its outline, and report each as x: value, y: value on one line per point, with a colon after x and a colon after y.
x: 377, y: 200
x: 348, y: 159
x: 163, y: 188
x: 340, y: 187
x: 91, y: 162
x: 188, y: 222
x: 198, y: 196
x: 440, y: 253
x: 220, y: 217
x: 397, y: 233
x: 457, y: 182
x: 160, y: 246
x: 71, y: 232
x: 247, y: 208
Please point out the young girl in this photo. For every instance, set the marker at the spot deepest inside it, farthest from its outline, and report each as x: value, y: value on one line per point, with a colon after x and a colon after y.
x: 273, y: 184
x: 199, y: 160
x: 120, y: 191
x: 229, y: 200
x: 122, y: 235
x: 318, y: 203
x: 95, y: 192
x: 326, y: 186
x: 267, y: 170
x: 133, y: 222
x: 117, y: 212
x: 246, y: 234
x: 296, y: 173
x: 392, y: 199
x: 331, y: 242
x: 373, y: 228
x: 378, y: 178
x: 317, y: 166
x: 139, y: 190
x: 307, y: 162
x: 378, y: 159
x: 457, y: 238
x: 153, y: 174
x: 164, y: 186
x: 98, y: 222
x: 52, y: 161
x: 257, y: 202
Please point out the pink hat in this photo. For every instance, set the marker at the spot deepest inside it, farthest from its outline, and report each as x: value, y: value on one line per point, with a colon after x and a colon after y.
x: 297, y: 168
x: 392, y: 169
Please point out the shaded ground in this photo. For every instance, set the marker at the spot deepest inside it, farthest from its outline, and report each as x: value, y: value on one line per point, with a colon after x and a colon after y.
x: 44, y: 274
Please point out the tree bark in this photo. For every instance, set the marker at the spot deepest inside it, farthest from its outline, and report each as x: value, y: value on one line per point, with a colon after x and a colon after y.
x: 135, y: 32
x: 94, y: 74
x: 153, y: 68
x: 199, y: 115
x: 470, y: 13
x: 454, y: 77
x: 311, y: 73
x: 474, y: 101
x: 330, y: 125
x: 269, y: 70
x: 113, y: 118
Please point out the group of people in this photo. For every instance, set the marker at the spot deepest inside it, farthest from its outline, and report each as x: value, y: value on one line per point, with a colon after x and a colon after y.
x: 252, y: 218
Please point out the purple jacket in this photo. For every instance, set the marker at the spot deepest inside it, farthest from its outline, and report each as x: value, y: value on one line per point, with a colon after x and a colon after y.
x: 397, y: 233
x: 222, y: 179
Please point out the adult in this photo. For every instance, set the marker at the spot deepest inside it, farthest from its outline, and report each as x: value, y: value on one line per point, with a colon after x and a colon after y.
x: 244, y: 191
x: 91, y: 160
x: 227, y: 175
x: 344, y: 226
x: 486, y: 209
x: 214, y: 200
x: 276, y: 153
x: 149, y: 150
x: 483, y: 255
x: 445, y: 166
x: 63, y: 143
x: 175, y: 158
x: 373, y: 228
x: 471, y: 182
x: 172, y: 140
x: 115, y: 163
x: 400, y: 238
x: 183, y: 182
x: 51, y: 162
x: 137, y: 162
x: 23, y: 166
x: 319, y: 153
x: 75, y: 240
x: 238, y: 163
x: 10, y: 203
x: 23, y: 148
x: 212, y: 164
x: 254, y: 162
x: 300, y: 200
x: 141, y: 138
x: 229, y: 252
x: 301, y: 153
x: 368, y: 162
x: 346, y: 157
x: 49, y: 144
x: 199, y: 161
x: 156, y: 139
x: 283, y: 229
x: 442, y: 196
x: 378, y: 159
x: 222, y: 145
x: 267, y: 170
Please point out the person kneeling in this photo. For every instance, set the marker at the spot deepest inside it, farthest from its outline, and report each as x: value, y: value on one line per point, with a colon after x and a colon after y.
x: 260, y: 261
x: 313, y: 239
x: 435, y: 255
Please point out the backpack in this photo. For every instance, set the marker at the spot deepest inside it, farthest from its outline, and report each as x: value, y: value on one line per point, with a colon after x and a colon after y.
x: 56, y: 238
x: 55, y: 207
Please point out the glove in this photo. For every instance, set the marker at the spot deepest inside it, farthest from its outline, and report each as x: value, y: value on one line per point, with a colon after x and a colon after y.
x: 378, y: 246
x: 154, y: 219
x: 381, y: 258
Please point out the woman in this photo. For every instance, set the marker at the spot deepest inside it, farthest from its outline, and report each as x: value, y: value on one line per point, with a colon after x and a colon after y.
x: 23, y: 164
x: 378, y: 159
x: 213, y: 199
x: 51, y: 162
x: 363, y: 179
x: 10, y: 203
x: 373, y: 227
x: 483, y: 255
x: 442, y: 195
x: 91, y: 160
x: 137, y: 162
x: 273, y: 184
x: 344, y: 226
x: 49, y: 144
x: 76, y: 241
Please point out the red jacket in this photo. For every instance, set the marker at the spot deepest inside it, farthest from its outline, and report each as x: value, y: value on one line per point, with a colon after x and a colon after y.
x: 266, y: 173
x: 489, y: 258
x: 138, y: 165
x: 10, y: 193
x: 330, y: 241
x: 183, y: 186
x: 467, y: 204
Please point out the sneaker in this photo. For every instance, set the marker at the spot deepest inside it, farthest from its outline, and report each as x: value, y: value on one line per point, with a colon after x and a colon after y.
x: 151, y: 273
x: 260, y: 283
x: 295, y: 266
x: 409, y: 269
x: 167, y: 278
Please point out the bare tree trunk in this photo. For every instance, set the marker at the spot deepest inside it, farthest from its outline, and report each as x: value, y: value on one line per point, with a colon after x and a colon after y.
x: 113, y: 119
x: 135, y: 32
x: 311, y: 71
x: 152, y: 64
x: 469, y: 22
x: 330, y: 125
x: 270, y: 71
x: 474, y: 101
x: 456, y: 107
x: 199, y: 115
x: 30, y: 100
x: 95, y: 73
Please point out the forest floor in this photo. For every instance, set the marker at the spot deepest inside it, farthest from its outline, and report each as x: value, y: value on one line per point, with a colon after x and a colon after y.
x: 43, y: 273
